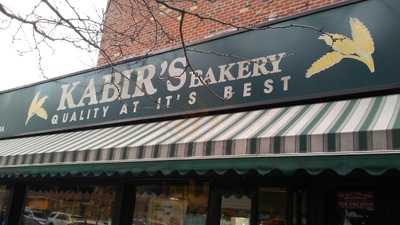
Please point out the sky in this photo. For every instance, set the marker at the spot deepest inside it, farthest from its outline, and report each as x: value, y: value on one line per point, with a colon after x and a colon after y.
x: 21, y: 69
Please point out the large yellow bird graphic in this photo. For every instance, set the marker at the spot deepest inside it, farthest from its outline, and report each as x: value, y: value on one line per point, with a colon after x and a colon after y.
x: 36, y: 108
x: 360, y: 47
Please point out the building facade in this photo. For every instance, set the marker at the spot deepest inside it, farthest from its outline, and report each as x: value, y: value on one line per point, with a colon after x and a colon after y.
x: 155, y: 27
x: 289, y: 113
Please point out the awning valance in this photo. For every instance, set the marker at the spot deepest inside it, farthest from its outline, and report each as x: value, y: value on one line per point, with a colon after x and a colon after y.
x: 367, y: 124
x: 341, y: 164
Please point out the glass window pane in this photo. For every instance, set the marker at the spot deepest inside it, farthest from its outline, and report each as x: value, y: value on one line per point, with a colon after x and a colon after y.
x: 272, y: 206
x: 356, y: 207
x: 168, y: 204
x: 4, y: 201
x: 235, y: 209
x: 72, y: 205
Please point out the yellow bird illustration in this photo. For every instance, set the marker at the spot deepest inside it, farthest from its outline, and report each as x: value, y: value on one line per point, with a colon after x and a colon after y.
x: 36, y: 108
x: 360, y: 47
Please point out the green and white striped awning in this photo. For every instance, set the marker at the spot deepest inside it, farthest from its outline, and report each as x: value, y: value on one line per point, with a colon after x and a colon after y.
x: 350, y: 126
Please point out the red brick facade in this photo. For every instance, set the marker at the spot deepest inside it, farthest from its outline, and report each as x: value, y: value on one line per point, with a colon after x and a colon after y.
x: 137, y: 27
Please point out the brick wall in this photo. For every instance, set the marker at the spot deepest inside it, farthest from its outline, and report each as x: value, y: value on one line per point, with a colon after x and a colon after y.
x: 138, y: 27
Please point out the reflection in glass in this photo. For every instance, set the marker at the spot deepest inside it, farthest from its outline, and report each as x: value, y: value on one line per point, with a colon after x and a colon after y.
x: 272, y: 206
x: 60, y: 205
x: 235, y: 210
x: 4, y: 201
x: 166, y: 204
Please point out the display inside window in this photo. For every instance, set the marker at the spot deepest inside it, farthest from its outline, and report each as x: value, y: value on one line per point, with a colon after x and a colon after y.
x: 169, y: 204
x: 272, y: 206
x: 235, y: 209
x: 356, y: 207
x: 4, y: 201
x: 68, y: 205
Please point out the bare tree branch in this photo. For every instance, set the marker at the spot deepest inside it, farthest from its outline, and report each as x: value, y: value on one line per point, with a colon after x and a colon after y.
x: 146, y: 18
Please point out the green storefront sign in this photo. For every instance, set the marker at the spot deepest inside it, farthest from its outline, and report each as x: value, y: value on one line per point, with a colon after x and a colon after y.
x: 355, y: 53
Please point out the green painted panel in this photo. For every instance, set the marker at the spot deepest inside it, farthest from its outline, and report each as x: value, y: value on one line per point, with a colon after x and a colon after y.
x: 357, y: 53
x: 374, y: 164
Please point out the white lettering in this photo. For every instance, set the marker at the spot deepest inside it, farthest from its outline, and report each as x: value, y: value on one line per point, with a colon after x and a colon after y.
x: 67, y: 100
x: 111, y: 88
x: 158, y: 103
x: 192, y: 98
x: 65, y: 118
x: 125, y: 85
x: 168, y: 98
x: 81, y: 115
x: 228, y: 92
x: 178, y: 74
x: 96, y: 110
x: 244, y: 69
x: 195, y: 79
x: 135, y: 105
x: 269, y: 88
x: 54, y: 119
x: 285, y: 81
x: 259, y: 66
x: 276, y: 61
x: 225, y: 73
x: 90, y: 92
x: 73, y: 117
x: 143, y: 81
x: 247, y: 89
x: 210, y: 77
x: 124, y: 109
x: 105, y: 110
x: 88, y: 114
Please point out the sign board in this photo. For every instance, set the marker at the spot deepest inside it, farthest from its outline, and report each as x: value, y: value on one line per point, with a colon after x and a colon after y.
x: 356, y: 207
x: 356, y: 53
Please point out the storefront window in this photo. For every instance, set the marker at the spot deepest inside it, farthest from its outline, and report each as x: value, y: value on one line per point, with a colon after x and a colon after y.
x: 72, y: 205
x: 4, y: 201
x: 168, y: 204
x: 235, y: 209
x: 299, y: 207
x: 355, y: 208
x: 272, y: 206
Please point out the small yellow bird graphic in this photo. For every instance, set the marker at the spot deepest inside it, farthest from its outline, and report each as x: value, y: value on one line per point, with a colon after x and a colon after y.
x: 360, y: 48
x: 36, y: 108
